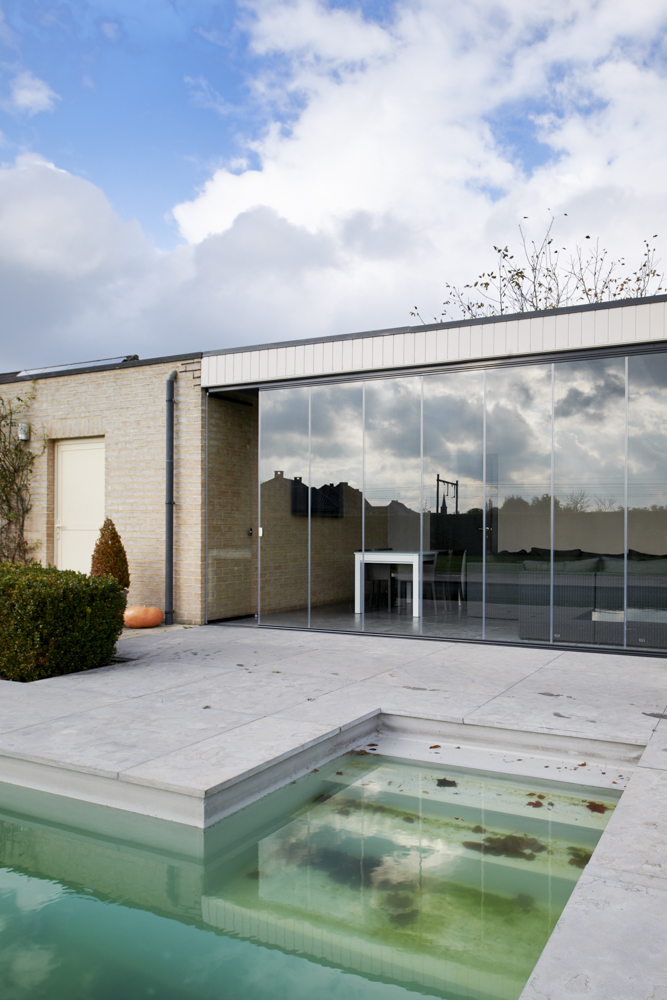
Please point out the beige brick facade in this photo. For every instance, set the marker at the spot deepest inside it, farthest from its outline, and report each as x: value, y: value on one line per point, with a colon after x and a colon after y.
x: 127, y: 407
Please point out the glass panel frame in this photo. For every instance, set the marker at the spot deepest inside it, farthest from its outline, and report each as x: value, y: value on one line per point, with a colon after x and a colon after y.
x: 597, y: 408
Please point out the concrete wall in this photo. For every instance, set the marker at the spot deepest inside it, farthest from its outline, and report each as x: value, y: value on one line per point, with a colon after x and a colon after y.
x: 127, y: 407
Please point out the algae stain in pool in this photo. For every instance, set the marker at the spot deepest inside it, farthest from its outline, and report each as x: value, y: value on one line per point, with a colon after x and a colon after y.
x: 350, y: 883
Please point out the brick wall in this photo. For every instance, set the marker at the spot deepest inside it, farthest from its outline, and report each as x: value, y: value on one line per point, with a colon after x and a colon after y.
x: 127, y: 407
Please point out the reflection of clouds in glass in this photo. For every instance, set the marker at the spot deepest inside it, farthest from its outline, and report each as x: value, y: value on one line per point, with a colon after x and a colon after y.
x: 589, y: 407
x: 393, y: 441
x: 453, y: 437
x: 647, y: 430
x: 518, y: 432
x: 590, y: 426
x: 284, y: 433
x: 337, y: 434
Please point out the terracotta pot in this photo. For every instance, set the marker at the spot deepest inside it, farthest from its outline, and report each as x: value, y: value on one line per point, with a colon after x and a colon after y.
x: 139, y: 616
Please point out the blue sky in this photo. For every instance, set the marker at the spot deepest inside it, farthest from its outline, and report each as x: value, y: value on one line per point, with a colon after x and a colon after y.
x: 152, y: 94
x: 136, y: 82
x: 189, y: 175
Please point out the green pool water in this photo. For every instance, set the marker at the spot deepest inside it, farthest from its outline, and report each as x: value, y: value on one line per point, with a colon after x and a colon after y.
x: 369, y: 878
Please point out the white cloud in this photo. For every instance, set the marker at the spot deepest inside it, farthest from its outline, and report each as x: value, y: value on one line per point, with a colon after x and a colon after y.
x: 389, y: 165
x: 405, y: 122
x: 30, y: 95
x: 110, y: 30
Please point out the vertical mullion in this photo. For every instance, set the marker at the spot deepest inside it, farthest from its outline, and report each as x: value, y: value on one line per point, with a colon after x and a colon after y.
x: 206, y: 511
x: 484, y: 512
x: 362, y: 581
x: 259, y: 507
x: 420, y: 596
x: 625, y: 513
x: 310, y: 400
x: 553, y: 478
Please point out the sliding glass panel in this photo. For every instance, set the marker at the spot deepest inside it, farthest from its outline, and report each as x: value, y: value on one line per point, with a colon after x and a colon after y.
x: 453, y: 500
x: 392, y: 484
x: 336, y: 498
x: 283, y: 476
x: 231, y: 536
x: 647, y: 502
x: 589, y: 499
x: 518, y: 503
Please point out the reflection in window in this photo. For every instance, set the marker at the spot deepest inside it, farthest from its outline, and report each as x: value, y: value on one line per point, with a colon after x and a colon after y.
x: 647, y: 502
x: 392, y: 490
x: 490, y: 505
x: 518, y: 502
x: 589, y: 501
x: 453, y: 501
x: 336, y: 474
x: 283, y: 471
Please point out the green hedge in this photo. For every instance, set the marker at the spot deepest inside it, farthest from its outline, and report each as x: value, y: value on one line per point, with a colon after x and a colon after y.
x: 56, y: 621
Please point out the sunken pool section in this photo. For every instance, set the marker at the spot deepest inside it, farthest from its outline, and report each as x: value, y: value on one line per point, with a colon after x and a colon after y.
x: 368, y: 878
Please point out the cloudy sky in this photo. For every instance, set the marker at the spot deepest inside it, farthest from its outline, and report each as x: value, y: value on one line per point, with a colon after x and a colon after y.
x: 187, y: 175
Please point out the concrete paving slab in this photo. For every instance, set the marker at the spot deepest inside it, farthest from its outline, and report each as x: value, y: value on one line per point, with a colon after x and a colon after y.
x: 22, y: 704
x: 655, y: 754
x: 602, y: 696
x: 119, y: 735
x: 136, y: 678
x: 634, y: 840
x: 609, y: 943
x: 208, y: 764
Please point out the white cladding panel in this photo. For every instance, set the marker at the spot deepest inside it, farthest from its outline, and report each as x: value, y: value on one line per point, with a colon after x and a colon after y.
x: 559, y: 332
x: 79, y: 498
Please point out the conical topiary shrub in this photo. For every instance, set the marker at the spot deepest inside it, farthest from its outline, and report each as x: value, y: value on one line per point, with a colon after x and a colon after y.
x: 109, y: 556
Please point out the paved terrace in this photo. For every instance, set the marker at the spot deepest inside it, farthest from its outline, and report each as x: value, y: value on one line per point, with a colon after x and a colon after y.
x: 194, y: 709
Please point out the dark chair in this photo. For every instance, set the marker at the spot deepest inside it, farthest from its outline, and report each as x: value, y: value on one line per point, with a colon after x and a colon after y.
x: 377, y: 574
x: 450, y: 574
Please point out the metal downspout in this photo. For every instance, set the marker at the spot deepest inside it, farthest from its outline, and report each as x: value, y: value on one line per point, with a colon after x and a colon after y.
x: 169, y: 504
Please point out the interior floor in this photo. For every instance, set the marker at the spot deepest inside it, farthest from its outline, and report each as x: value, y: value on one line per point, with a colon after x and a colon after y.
x: 435, y: 623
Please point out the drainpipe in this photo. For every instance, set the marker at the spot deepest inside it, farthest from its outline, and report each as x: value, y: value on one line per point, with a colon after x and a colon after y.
x: 169, y: 505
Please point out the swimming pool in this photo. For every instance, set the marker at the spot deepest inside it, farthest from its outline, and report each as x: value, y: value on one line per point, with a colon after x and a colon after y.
x: 370, y: 877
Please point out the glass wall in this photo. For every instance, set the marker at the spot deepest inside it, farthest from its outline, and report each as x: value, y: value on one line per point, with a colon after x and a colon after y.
x: 453, y: 504
x: 393, y: 505
x: 646, y: 565
x: 523, y: 503
x: 336, y: 499
x: 284, y: 462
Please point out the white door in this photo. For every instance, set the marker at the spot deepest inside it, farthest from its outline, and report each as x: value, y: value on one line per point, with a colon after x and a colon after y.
x: 79, y: 495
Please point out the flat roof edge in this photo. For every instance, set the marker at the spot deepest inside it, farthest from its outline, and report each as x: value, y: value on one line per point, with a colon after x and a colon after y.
x: 450, y: 325
x: 7, y: 377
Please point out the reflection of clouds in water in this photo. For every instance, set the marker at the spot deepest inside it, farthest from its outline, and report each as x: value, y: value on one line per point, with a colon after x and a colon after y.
x: 29, y: 894
x: 27, y: 966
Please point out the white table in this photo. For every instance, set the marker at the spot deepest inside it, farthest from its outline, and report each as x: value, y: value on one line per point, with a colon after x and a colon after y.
x: 412, y: 558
